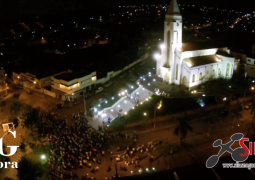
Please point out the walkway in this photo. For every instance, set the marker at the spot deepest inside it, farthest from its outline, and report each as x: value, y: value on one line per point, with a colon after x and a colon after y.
x: 121, y: 107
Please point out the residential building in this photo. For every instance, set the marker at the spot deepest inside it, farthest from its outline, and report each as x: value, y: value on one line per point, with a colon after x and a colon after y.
x: 32, y: 81
x: 69, y: 85
x: 250, y: 66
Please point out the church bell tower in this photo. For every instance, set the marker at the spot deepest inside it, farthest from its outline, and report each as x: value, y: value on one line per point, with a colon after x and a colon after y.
x: 172, y: 39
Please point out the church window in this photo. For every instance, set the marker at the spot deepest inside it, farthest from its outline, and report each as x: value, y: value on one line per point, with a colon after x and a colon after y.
x: 213, y: 73
x: 200, y: 76
x: 168, y: 48
x: 219, y: 72
x: 176, y: 75
x: 227, y: 71
x: 193, y: 78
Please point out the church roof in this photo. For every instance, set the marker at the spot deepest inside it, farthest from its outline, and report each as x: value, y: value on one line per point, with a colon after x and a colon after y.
x: 201, y: 60
x: 173, y: 8
x: 199, y: 46
x: 224, y: 53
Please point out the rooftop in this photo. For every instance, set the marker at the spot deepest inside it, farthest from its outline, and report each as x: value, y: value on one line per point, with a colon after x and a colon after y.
x: 224, y: 53
x: 199, y: 46
x: 201, y: 60
x: 72, y: 76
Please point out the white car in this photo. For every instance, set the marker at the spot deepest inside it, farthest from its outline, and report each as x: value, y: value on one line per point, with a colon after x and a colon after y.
x: 99, y: 90
x: 101, y: 100
x: 108, y: 84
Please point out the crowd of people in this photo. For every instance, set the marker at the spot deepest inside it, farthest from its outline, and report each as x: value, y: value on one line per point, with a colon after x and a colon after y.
x: 74, y: 146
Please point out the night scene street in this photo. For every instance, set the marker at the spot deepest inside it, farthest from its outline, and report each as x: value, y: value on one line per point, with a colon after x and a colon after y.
x: 112, y: 90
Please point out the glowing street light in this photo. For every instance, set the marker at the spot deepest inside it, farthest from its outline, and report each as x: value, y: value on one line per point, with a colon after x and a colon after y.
x: 112, y: 98
x: 43, y: 157
x: 144, y: 114
x: 154, y: 80
x: 252, y: 88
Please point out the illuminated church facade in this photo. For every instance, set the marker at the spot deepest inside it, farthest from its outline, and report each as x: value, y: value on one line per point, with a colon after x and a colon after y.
x: 190, y: 64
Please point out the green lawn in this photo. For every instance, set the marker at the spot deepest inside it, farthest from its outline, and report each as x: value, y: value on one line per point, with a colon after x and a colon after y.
x: 145, y: 111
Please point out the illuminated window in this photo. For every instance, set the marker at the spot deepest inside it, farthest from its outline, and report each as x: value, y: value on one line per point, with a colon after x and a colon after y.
x: 69, y: 87
x: 176, y: 75
x: 94, y: 78
x: 200, y: 76
x: 213, y: 73
x: 219, y: 72
x: 193, y: 78
x: 235, y: 67
x: 227, y: 71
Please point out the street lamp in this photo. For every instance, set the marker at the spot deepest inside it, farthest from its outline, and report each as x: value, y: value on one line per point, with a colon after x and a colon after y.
x: 252, y: 88
x: 157, y: 106
x: 43, y: 157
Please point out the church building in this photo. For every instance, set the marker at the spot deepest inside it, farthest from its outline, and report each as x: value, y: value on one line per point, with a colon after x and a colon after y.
x: 190, y: 64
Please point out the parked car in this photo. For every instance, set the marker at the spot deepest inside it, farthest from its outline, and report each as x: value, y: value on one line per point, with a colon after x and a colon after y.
x: 134, y: 79
x: 223, y: 113
x: 108, y: 84
x: 101, y: 100
x: 60, y: 105
x: 99, y: 90
x: 248, y: 106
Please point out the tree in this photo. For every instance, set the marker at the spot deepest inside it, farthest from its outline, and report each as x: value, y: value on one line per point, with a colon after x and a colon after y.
x: 253, y: 112
x: 183, y: 128
x: 212, y: 119
x: 29, y: 170
x: 235, y: 114
x: 15, y: 107
x: 2, y: 105
x: 16, y: 96
x: 30, y: 116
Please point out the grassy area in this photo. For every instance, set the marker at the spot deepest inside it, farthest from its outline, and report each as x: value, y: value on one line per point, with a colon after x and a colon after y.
x: 145, y: 111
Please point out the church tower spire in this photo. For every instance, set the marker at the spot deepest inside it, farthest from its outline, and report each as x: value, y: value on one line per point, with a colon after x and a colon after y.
x: 172, y: 41
x: 173, y: 8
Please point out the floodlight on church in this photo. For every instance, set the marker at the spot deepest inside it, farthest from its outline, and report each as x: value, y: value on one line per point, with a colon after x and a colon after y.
x: 179, y: 45
x: 157, y: 56
x: 162, y: 46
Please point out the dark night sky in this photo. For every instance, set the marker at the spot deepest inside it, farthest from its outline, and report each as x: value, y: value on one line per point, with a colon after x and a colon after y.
x: 45, y: 6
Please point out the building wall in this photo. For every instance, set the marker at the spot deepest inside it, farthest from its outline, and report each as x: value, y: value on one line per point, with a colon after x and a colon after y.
x: 250, y: 70
x: 78, y: 84
x: 28, y: 80
x: 250, y: 61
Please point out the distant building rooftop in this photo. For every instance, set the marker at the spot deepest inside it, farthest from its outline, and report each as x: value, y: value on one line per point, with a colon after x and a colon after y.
x: 72, y: 76
x: 200, y: 60
x: 199, y: 46
x: 224, y: 53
